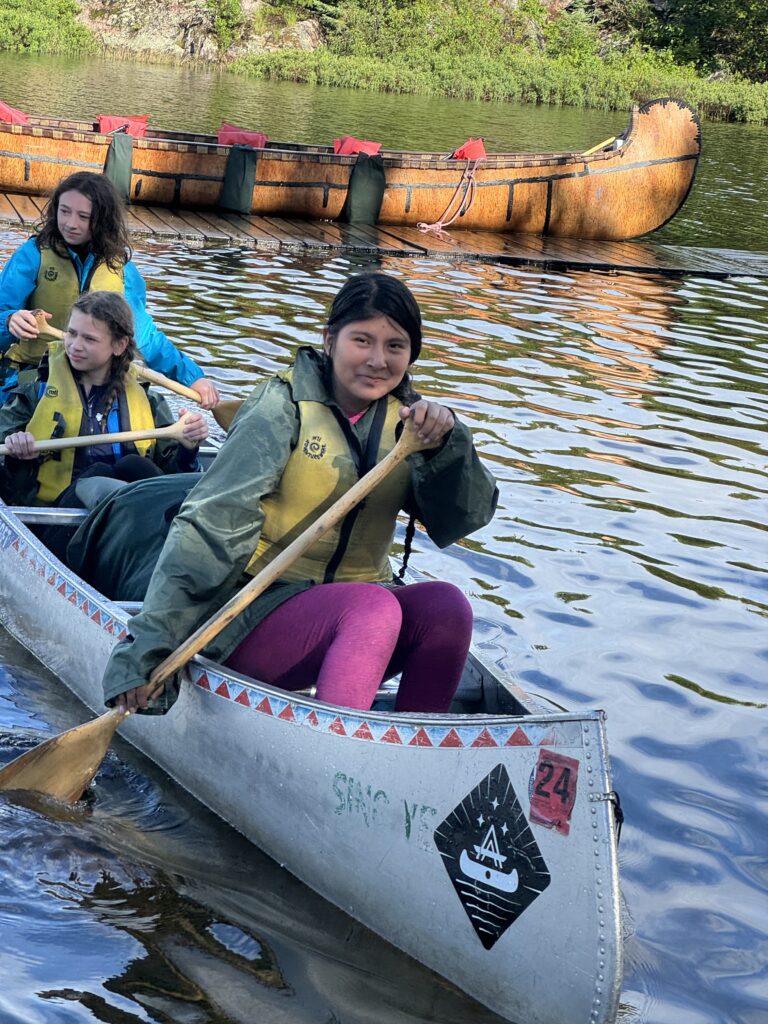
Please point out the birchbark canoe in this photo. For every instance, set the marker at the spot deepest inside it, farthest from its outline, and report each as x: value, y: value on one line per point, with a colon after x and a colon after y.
x: 626, y: 188
x: 481, y: 842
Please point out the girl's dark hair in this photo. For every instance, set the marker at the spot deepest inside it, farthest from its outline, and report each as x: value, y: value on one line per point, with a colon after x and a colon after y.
x: 111, y: 309
x: 366, y: 296
x: 109, y: 234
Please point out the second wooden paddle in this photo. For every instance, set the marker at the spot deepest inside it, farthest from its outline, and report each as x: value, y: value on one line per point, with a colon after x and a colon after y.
x: 174, y: 431
x: 222, y: 412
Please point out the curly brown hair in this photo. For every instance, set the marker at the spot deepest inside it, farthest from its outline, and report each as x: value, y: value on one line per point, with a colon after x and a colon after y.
x: 109, y: 233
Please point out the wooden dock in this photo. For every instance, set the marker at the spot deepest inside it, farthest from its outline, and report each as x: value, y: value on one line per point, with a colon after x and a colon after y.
x: 198, y: 229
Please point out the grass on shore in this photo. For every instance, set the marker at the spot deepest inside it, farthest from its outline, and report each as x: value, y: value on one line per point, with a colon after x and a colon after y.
x: 612, y: 83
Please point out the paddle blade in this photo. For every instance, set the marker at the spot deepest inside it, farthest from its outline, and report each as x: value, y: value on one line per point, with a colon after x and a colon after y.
x: 63, y: 766
x: 225, y: 411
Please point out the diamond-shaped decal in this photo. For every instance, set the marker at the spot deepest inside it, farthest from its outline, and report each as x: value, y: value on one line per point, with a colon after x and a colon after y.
x: 491, y: 856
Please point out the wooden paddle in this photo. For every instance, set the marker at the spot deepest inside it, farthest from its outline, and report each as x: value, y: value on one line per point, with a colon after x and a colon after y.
x: 174, y: 431
x: 66, y: 765
x: 222, y: 412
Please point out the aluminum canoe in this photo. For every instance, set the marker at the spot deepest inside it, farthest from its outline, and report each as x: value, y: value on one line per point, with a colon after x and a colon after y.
x: 481, y: 842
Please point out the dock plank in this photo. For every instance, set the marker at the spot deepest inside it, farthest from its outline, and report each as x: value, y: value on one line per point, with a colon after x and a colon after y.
x: 388, y: 241
x: 149, y: 218
x: 253, y: 228
x: 326, y: 231
x: 296, y: 230
x: 576, y: 252
x: 218, y: 223
x: 428, y: 241
x: 136, y: 226
x: 176, y: 223
x: 207, y: 231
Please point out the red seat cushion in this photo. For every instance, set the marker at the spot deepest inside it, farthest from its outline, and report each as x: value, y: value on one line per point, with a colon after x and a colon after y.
x: 12, y: 115
x: 230, y: 135
x: 136, y: 125
x: 473, y: 149
x: 348, y: 145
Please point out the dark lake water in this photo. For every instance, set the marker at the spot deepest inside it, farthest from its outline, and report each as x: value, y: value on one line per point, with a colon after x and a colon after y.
x: 627, y: 568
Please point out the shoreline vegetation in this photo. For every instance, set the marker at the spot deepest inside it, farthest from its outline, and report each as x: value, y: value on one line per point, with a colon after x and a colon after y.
x: 603, y: 54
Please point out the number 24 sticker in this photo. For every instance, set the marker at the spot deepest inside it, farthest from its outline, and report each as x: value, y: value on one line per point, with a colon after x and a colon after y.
x: 554, y: 790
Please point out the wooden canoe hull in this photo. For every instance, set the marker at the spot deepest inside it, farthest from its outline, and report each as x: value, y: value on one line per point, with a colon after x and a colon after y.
x: 352, y: 802
x: 611, y: 194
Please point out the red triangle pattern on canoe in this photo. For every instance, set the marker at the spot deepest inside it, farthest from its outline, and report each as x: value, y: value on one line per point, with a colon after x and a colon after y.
x: 451, y: 739
x: 484, y: 739
x: 421, y: 739
x: 518, y: 739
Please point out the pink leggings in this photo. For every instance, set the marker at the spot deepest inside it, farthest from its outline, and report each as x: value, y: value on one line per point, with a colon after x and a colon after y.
x: 348, y: 637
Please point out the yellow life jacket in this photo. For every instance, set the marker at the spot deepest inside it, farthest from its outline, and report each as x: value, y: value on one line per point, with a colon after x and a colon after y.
x: 319, y: 470
x: 57, y: 288
x: 60, y: 413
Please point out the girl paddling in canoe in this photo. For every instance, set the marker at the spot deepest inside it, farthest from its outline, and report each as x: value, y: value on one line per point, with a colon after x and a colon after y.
x: 337, y: 618
x: 81, y: 246
x: 83, y: 387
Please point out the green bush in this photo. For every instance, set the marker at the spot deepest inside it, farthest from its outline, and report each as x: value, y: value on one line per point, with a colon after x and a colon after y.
x: 43, y: 26
x: 612, y: 82
x: 227, y: 18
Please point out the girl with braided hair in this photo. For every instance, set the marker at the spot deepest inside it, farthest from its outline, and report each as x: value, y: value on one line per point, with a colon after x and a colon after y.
x: 83, y: 386
x: 336, y: 618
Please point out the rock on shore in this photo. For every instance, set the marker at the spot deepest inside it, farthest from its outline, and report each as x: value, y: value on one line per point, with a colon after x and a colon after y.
x: 166, y: 30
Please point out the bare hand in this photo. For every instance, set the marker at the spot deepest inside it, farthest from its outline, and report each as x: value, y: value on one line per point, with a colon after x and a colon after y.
x: 21, y: 445
x: 209, y: 396
x: 432, y: 422
x: 195, y: 428
x: 134, y: 699
x: 22, y: 324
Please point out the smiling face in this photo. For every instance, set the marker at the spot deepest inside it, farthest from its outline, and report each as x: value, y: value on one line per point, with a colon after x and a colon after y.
x: 73, y: 218
x: 369, y: 358
x: 90, y: 346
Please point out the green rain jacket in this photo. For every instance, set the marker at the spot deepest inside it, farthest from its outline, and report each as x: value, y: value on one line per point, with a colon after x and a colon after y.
x: 218, y: 526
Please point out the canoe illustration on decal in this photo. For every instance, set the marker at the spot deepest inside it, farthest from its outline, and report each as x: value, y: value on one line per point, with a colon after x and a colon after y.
x: 506, y: 881
x: 491, y: 820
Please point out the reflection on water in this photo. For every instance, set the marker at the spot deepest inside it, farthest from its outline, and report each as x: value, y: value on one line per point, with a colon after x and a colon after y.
x: 139, y: 905
x: 626, y: 568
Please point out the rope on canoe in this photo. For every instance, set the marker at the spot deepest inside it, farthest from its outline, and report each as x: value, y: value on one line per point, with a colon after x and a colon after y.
x: 468, y: 182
